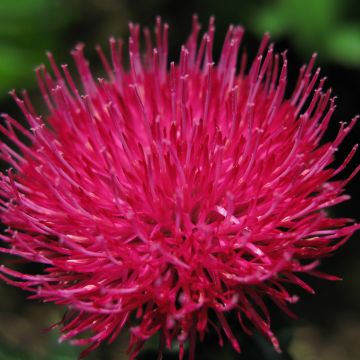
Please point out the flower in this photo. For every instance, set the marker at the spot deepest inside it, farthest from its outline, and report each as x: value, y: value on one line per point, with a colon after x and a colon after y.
x: 169, y: 194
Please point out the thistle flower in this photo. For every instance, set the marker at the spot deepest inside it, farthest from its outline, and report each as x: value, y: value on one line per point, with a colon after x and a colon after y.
x: 170, y: 195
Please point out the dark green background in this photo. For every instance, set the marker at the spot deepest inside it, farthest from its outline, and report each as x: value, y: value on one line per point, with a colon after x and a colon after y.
x: 330, y: 321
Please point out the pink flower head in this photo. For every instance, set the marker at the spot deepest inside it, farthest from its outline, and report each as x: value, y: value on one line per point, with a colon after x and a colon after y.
x: 167, y: 196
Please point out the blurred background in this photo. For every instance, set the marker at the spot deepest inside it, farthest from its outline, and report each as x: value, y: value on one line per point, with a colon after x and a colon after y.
x: 329, y: 325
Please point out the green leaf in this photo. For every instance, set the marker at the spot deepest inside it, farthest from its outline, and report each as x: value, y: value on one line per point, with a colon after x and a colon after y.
x: 344, y: 46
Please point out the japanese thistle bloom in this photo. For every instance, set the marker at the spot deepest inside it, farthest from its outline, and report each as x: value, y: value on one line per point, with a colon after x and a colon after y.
x: 172, y: 196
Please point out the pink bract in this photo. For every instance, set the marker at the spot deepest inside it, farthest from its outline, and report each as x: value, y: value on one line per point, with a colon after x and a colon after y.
x: 167, y: 193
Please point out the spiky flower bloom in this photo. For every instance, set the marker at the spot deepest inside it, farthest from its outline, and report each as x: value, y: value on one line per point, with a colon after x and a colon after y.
x: 168, y: 194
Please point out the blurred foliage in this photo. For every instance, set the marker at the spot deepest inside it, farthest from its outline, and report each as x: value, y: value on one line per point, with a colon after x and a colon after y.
x: 56, y: 352
x: 30, y: 27
x: 27, y: 29
x: 314, y: 24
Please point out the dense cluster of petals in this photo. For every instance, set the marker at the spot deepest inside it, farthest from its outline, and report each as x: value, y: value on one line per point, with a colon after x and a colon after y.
x: 169, y: 197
